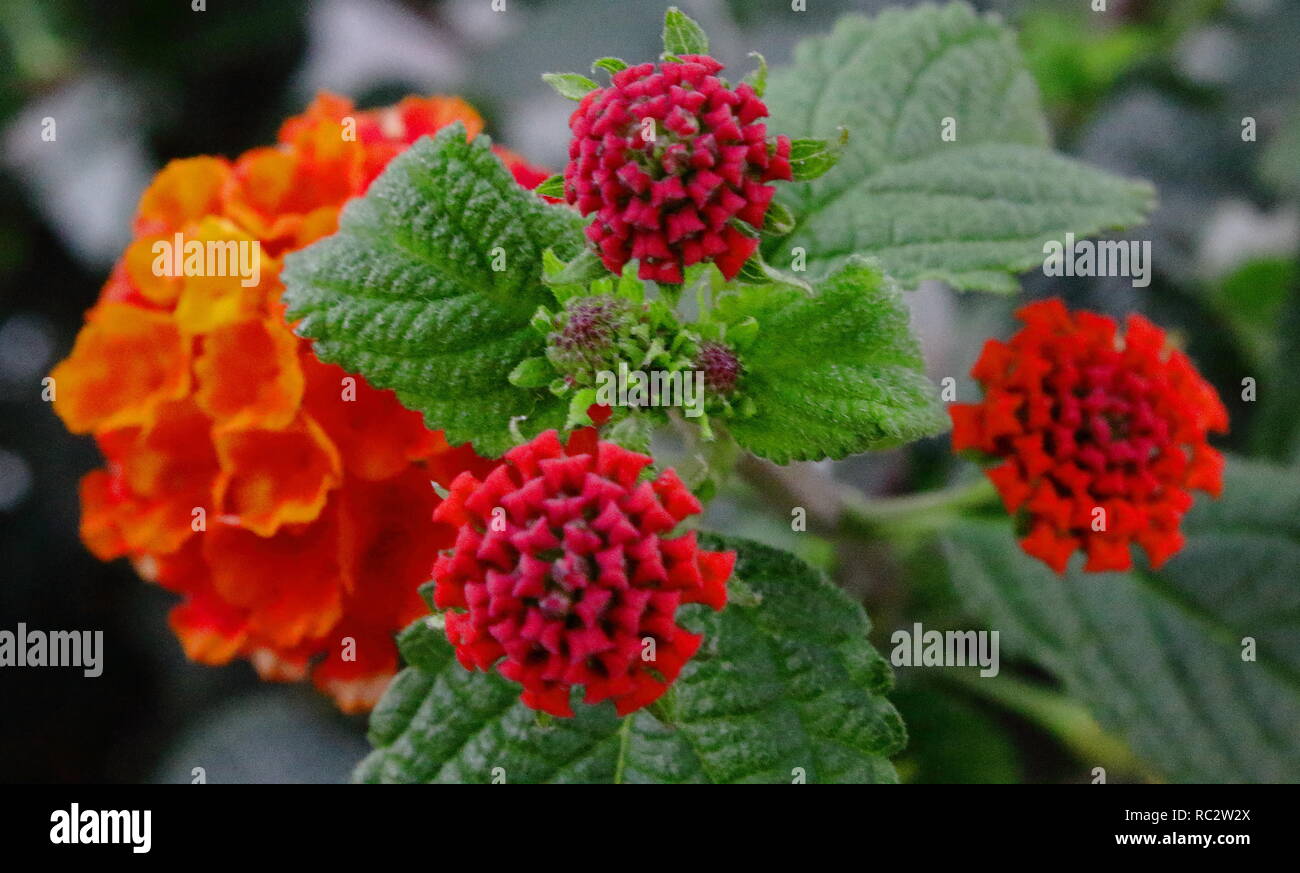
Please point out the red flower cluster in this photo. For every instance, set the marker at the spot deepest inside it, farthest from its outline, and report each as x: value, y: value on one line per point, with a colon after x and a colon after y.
x: 563, y: 567
x: 666, y: 159
x: 1101, y: 438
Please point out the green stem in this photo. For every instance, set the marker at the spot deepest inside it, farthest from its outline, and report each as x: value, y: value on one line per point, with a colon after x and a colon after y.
x: 624, y: 737
x: 1060, y: 716
x: 836, y: 509
x: 913, y: 514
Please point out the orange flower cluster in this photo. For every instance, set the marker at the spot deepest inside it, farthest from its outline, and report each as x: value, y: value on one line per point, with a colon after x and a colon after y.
x: 288, y: 502
x: 1101, y: 438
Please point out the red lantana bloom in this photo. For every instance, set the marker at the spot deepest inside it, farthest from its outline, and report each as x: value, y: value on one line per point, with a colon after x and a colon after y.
x: 563, y: 573
x: 1101, y: 437
x: 666, y: 157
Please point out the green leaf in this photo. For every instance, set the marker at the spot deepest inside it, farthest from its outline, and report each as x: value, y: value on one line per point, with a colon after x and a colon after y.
x: 778, y: 220
x: 551, y: 187
x: 812, y: 158
x: 584, y: 268
x: 757, y: 79
x: 789, y: 682
x: 631, y: 432
x: 756, y: 271
x: 682, y: 36
x: 574, y: 86
x: 833, y: 374
x: 532, y: 373
x: 406, y: 293
x: 579, y: 403
x: 970, y: 211
x: 609, y: 65
x: 1157, y: 656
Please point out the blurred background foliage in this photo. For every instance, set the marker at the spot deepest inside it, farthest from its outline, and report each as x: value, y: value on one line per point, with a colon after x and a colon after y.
x: 1160, y: 89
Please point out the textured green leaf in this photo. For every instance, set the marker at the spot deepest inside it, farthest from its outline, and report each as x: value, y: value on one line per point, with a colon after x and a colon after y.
x: 812, y: 158
x: 609, y: 65
x: 968, y: 212
x: 574, y: 86
x: 832, y: 374
x: 682, y: 36
x: 1157, y: 656
x: 789, y: 682
x: 406, y: 295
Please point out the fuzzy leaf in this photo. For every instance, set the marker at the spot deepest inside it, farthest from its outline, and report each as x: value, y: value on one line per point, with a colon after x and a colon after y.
x: 609, y: 65
x: 812, y: 158
x: 406, y: 295
x: 787, y: 681
x: 682, y: 36
x: 1158, y: 656
x: 970, y: 211
x: 832, y: 374
x: 574, y: 86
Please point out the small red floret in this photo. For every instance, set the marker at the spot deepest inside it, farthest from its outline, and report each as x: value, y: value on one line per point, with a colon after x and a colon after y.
x: 665, y: 158
x: 563, y: 575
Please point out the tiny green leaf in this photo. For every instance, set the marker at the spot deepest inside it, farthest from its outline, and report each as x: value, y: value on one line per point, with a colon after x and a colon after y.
x: 631, y: 432
x: 574, y: 86
x: 579, y: 403
x: 682, y: 36
x: 778, y: 220
x: 758, y: 78
x: 757, y: 271
x: 535, y: 372
x: 610, y: 65
x: 552, y: 187
x: 584, y: 268
x: 811, y: 158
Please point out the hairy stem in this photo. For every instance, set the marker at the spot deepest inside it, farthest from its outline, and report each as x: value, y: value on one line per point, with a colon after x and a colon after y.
x: 836, y: 509
x: 1059, y: 716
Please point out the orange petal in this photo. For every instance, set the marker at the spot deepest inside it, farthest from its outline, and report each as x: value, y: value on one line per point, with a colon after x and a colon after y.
x: 222, y: 295
x: 141, y: 260
x: 273, y: 477
x: 184, y: 191
x: 376, y: 435
x: 288, y: 583
x: 170, y: 470
x: 126, y: 362
x: 387, y: 543
x: 248, y: 375
x: 99, y: 517
x: 358, y: 665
